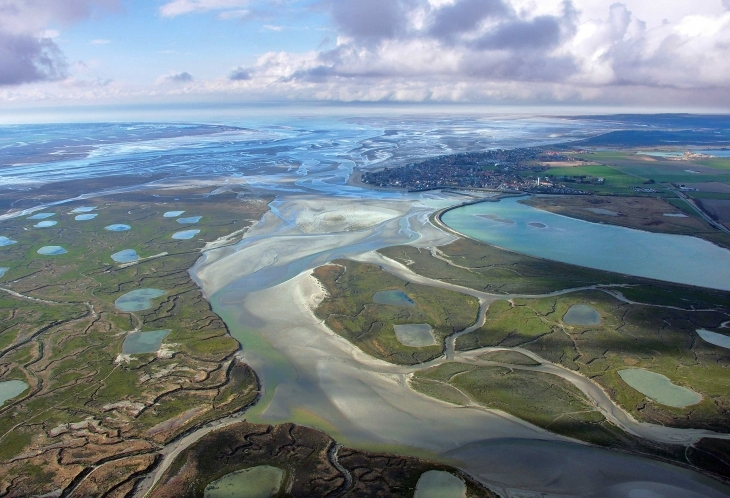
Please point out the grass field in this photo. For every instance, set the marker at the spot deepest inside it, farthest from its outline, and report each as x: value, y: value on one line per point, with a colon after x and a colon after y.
x: 61, y: 333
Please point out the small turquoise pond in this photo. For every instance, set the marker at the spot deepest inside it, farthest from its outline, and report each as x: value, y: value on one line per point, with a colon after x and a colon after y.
x: 185, y: 234
x: 712, y: 337
x: 45, y: 224
x: 4, y: 241
x: 582, y: 314
x: 392, y: 298
x: 125, y: 256
x: 138, y: 300
x: 439, y: 484
x: 415, y: 335
x: 263, y: 481
x: 144, y: 342
x: 85, y: 217
x: 10, y: 389
x: 40, y: 216
x: 191, y: 219
x: 3, y: 270
x: 173, y: 214
x: 117, y: 227
x: 83, y: 209
x: 659, y: 388
x: 52, y: 250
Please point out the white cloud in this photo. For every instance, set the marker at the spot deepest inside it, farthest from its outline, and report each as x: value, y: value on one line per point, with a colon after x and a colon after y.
x: 180, y: 7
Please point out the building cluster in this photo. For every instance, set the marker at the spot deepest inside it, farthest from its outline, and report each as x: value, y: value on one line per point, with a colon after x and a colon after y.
x: 495, y: 169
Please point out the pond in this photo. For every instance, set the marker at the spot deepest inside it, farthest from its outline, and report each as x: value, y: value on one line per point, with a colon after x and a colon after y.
x: 9, y: 389
x: 41, y: 216
x: 144, y: 342
x: 393, y: 298
x: 117, y: 227
x: 4, y: 241
x: 3, y: 270
x: 172, y: 214
x: 659, y: 388
x: 672, y: 258
x: 185, y: 234
x: 415, y: 335
x: 605, y: 212
x: 85, y: 217
x: 439, y: 484
x: 263, y: 481
x: 714, y: 338
x: 52, y: 250
x: 83, y: 209
x: 191, y: 219
x: 138, y: 300
x: 45, y: 224
x: 125, y: 256
x: 582, y: 314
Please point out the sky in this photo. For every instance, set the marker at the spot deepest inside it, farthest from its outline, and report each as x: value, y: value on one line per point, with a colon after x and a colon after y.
x: 671, y: 54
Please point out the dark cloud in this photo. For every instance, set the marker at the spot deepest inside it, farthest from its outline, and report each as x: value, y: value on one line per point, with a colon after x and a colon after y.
x: 26, y: 59
x: 371, y: 19
x: 183, y: 77
x: 240, y: 74
x: 464, y: 16
x: 543, y: 32
x: 525, y: 66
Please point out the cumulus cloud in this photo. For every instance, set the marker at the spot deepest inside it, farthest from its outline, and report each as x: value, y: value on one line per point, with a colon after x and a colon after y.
x: 24, y: 59
x: 179, y: 7
x: 28, y: 52
x: 175, y: 78
x: 240, y: 74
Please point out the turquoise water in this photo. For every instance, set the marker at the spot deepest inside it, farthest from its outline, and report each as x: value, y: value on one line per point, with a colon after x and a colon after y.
x: 10, y: 389
x: 138, y: 300
x: 658, y: 153
x: 52, y: 250
x: 659, y: 388
x: 4, y: 241
x: 41, y: 216
x: 3, y: 270
x: 415, y: 335
x: 713, y: 338
x: 144, y: 342
x: 83, y: 209
x: 45, y: 224
x: 185, y: 234
x: 672, y: 258
x: 439, y: 484
x: 393, y: 298
x: 85, y: 217
x: 263, y: 481
x: 173, y: 214
x: 117, y: 227
x: 582, y: 314
x: 125, y: 256
x: 191, y: 219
